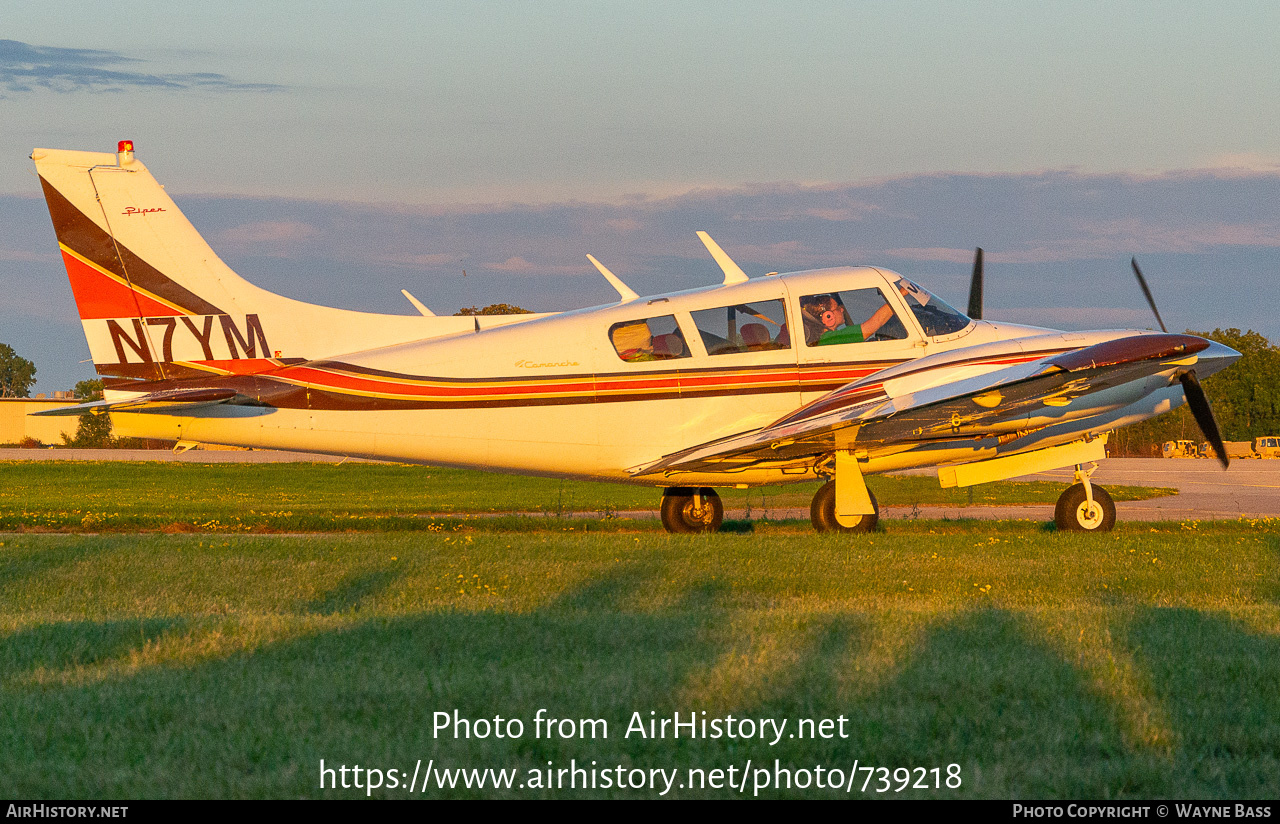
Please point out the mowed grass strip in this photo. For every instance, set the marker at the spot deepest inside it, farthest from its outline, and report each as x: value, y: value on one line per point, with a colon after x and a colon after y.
x: 306, y: 497
x: 1137, y: 664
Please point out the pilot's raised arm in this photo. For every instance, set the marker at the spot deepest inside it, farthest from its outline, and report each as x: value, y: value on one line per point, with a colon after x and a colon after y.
x: 838, y: 329
x: 878, y: 318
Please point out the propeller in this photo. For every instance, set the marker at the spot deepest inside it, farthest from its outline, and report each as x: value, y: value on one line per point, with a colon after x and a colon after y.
x: 1203, y: 414
x: 975, y: 287
x: 1147, y: 293
x: 1191, y: 389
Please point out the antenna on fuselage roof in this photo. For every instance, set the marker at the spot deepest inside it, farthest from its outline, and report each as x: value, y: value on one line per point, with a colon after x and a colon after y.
x: 417, y: 304
x: 624, y: 291
x: 732, y: 272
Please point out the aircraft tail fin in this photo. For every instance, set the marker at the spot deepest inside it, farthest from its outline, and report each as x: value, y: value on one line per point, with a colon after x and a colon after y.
x: 157, y: 302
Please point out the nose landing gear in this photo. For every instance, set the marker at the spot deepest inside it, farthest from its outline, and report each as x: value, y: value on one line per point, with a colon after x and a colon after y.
x: 1085, y: 507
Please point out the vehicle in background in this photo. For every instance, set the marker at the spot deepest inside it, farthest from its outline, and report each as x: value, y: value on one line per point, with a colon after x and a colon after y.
x: 1268, y: 447
x: 1235, y: 449
x: 1180, y: 449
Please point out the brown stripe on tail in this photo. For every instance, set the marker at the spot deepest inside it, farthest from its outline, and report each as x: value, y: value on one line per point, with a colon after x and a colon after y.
x: 96, y: 293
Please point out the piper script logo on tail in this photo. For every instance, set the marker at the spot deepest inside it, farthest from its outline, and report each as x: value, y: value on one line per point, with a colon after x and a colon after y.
x: 179, y: 338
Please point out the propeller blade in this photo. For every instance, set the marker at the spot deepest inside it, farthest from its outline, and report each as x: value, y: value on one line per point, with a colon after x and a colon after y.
x: 1203, y: 414
x: 1150, y: 300
x: 975, y: 287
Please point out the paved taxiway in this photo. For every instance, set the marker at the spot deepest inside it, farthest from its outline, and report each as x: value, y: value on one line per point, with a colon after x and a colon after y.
x: 1249, y: 489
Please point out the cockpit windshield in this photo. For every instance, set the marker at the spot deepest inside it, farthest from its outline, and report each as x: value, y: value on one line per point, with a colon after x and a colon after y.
x: 933, y: 313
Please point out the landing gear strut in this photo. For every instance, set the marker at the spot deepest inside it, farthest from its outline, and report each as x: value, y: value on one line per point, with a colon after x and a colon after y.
x: 822, y: 512
x: 1085, y: 507
x: 688, y: 509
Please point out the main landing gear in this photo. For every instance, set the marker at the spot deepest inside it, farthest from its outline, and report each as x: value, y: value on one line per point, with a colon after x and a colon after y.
x: 822, y: 512
x: 1085, y: 507
x: 688, y: 509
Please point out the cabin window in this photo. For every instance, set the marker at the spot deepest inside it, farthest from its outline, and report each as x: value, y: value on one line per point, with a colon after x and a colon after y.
x: 852, y: 316
x: 743, y: 327
x: 651, y: 339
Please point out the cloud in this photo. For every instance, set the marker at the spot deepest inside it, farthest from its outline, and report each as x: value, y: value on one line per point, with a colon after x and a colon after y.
x: 26, y: 256
x: 933, y: 253
x: 1247, y: 162
x: 625, y: 225
x: 1076, y: 317
x: 412, y: 259
x: 1052, y: 240
x: 1057, y: 247
x: 520, y: 266
x: 784, y: 252
x: 842, y: 214
x: 283, y: 235
x: 25, y: 68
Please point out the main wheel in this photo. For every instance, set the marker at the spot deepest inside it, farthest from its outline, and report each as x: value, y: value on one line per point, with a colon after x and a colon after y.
x: 822, y: 512
x: 682, y: 513
x: 1073, y: 513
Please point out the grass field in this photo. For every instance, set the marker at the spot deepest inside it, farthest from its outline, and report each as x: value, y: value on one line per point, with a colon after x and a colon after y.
x: 1143, y: 663
x: 114, y: 496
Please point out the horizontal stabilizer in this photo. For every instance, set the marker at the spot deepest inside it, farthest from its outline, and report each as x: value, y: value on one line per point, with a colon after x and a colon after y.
x: 152, y: 402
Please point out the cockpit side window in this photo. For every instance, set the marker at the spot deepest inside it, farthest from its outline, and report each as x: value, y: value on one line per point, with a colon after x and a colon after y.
x: 933, y: 313
x: 852, y: 316
x: 744, y: 327
x: 650, y: 339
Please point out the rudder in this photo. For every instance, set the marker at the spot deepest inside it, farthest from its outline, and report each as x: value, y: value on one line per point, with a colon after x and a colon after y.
x: 156, y: 302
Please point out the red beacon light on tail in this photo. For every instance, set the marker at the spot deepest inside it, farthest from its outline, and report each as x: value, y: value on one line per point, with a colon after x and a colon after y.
x: 124, y: 152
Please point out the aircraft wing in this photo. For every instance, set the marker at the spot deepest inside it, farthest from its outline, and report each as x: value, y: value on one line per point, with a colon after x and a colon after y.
x: 166, y: 401
x: 866, y: 413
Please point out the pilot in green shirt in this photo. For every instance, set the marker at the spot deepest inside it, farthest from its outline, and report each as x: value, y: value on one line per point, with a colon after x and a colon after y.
x: 848, y: 334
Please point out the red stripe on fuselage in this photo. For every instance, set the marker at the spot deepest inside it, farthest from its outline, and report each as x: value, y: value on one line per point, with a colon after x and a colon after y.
x: 349, y: 382
x: 240, y: 366
x: 337, y: 379
x: 585, y: 386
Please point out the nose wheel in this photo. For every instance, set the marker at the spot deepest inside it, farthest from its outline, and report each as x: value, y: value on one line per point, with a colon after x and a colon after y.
x: 1085, y: 507
x: 686, y: 510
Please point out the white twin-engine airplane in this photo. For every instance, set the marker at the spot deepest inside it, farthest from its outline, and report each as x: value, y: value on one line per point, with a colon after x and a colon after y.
x: 824, y: 374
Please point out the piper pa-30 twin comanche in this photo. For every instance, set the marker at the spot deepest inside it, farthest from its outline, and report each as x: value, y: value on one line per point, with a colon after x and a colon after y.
x: 826, y: 374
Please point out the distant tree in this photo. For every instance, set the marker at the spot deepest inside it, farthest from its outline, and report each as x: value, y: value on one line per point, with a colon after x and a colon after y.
x: 93, y: 431
x: 17, y: 374
x: 1246, y: 395
x: 1245, y: 398
x: 493, y: 309
x: 90, y: 390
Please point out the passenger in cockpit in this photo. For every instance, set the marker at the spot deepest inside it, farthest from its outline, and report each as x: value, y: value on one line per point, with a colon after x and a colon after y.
x: 827, y: 321
x: 634, y: 342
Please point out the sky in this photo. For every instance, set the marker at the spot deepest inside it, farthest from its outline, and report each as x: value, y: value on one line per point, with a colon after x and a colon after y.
x: 339, y: 152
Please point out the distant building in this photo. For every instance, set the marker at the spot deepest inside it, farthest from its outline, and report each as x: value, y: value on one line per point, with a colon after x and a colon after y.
x: 16, y: 423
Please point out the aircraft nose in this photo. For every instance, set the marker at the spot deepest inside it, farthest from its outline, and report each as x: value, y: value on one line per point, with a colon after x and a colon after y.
x: 1216, y: 358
